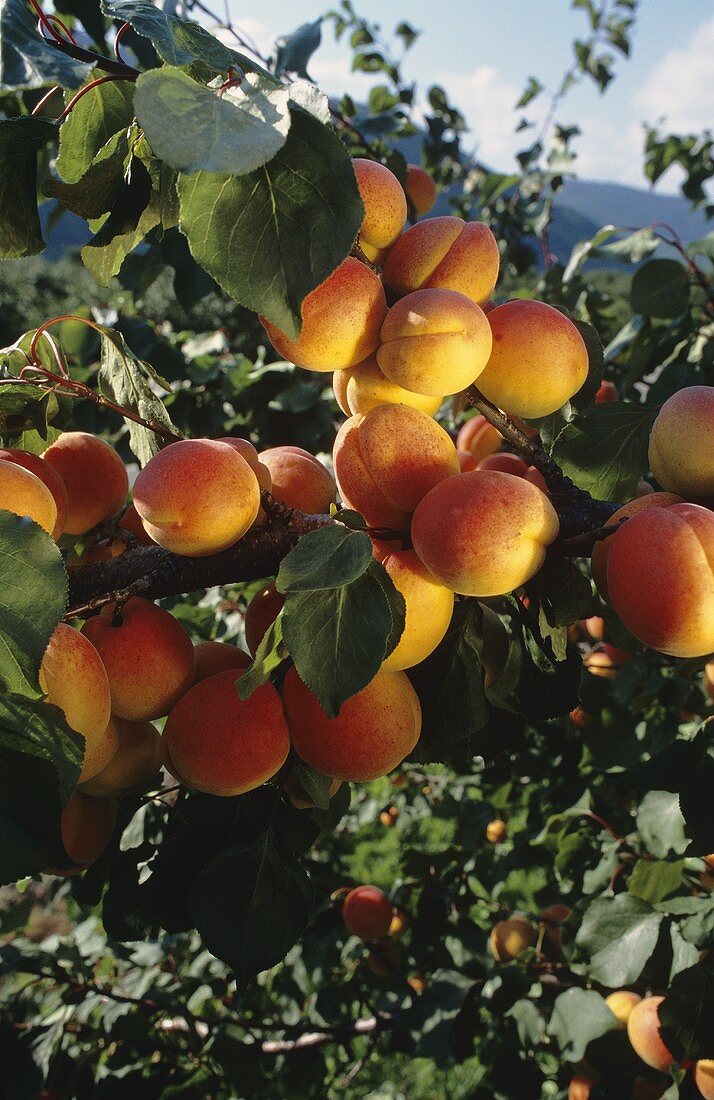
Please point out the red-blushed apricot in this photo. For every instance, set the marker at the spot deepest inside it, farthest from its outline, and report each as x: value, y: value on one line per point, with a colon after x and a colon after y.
x: 660, y: 578
x: 479, y: 437
x: 362, y: 387
x: 299, y: 479
x: 708, y: 682
x: 496, y: 831
x: 607, y: 391
x: 467, y: 461
x: 681, y: 450
x: 513, y: 464
x: 87, y: 825
x: 420, y: 190
x: 223, y: 745
x: 298, y: 797
x: 247, y: 451
x: 94, y: 476
x: 643, y: 1031
x: 341, y: 321
x: 197, y: 497
x: 22, y: 493
x: 136, y: 760
x: 367, y: 912
x: 434, y: 342
x: 538, y: 361
x: 373, y: 732
x: 131, y: 522
x: 580, y: 1087
x: 260, y: 613
x: 73, y: 677
x: 445, y: 253
x: 510, y: 937
x: 385, y: 208
x: 601, y: 549
x: 104, y: 550
x: 621, y: 1003
x: 429, y: 609
x: 386, y: 461
x: 46, y: 474
x: 484, y: 533
x: 213, y: 657
x: 148, y: 657
x: 605, y: 661
x: 704, y: 1077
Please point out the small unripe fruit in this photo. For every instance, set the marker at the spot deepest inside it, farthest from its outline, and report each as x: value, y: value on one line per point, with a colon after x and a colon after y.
x: 621, y: 1004
x: 367, y: 913
x: 510, y: 938
x: 496, y: 831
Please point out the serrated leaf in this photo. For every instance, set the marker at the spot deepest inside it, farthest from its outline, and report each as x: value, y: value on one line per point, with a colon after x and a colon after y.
x: 193, y: 127
x: 128, y: 381
x: 604, y: 449
x: 33, y: 597
x: 579, y: 1016
x: 177, y: 41
x: 328, y: 558
x: 251, y: 904
x: 687, y: 1012
x: 617, y: 936
x: 660, y: 288
x: 95, y: 118
x: 20, y: 141
x: 26, y: 60
x: 273, y: 235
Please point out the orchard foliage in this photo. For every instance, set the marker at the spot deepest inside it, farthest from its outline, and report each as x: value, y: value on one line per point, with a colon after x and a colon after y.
x: 447, y: 828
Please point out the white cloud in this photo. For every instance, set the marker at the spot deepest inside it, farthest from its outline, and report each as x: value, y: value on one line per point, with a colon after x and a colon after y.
x: 334, y: 76
x: 680, y: 87
x: 488, y: 105
x: 610, y: 151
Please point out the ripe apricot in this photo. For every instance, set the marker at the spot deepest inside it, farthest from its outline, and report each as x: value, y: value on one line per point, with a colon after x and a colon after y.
x: 420, y: 190
x: 262, y: 610
x: 373, y: 732
x: 643, y: 1031
x: 429, y: 609
x: 148, y: 657
x: 362, y: 387
x: 513, y: 464
x: 223, y: 745
x: 445, y: 253
x: 94, y: 476
x: 680, y: 448
x: 341, y: 320
x: 87, y: 825
x: 538, y: 362
x: 580, y: 1087
x: 479, y: 437
x: 385, y: 208
x: 131, y: 521
x: 621, y: 1003
x: 197, y: 497
x: 704, y: 1077
x: 367, y: 912
x: 136, y: 760
x: 607, y: 391
x: 399, y: 924
x: 601, y: 549
x: 213, y: 657
x: 484, y: 533
x: 434, y: 342
x: 299, y: 479
x: 510, y: 937
x: 496, y: 831
x: 47, y: 474
x: 22, y: 493
x: 605, y: 661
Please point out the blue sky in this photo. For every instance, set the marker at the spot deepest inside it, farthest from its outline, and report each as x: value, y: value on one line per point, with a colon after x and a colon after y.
x: 483, y: 52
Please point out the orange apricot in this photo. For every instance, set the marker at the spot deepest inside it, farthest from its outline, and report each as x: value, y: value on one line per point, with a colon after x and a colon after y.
x: 580, y: 1087
x: 299, y: 479
x: 87, y: 825
x: 510, y: 938
x: 420, y: 190
x: 47, y: 474
x: 496, y: 831
x: 367, y: 912
x: 22, y: 493
x: 298, y: 797
x: 643, y: 1031
x: 601, y: 549
x: 429, y: 607
x: 213, y: 657
x: 680, y: 449
x: 513, y: 464
x: 621, y: 1003
x: 362, y: 387
x: 704, y: 1077
x: 385, y: 208
x: 131, y: 522
x: 260, y: 613
x: 445, y: 253
x: 605, y: 661
x: 94, y: 476
x: 479, y: 437
x: 136, y: 760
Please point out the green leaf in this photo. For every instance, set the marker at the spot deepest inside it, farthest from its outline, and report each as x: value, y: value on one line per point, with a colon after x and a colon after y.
x: 251, y: 904
x: 660, y: 288
x: 531, y: 90
x: 33, y: 596
x: 26, y: 60
x: 652, y: 880
x: 129, y: 382
x: 27, y: 408
x: 562, y: 594
x: 618, y: 936
x: 40, y: 762
x: 97, y: 116
x: 687, y: 1012
x: 328, y: 558
x: 604, y: 449
x: 294, y: 52
x: 269, y: 655
x: 192, y: 127
x: 176, y: 41
x: 314, y: 785
x: 100, y: 186
x: 273, y: 235
x: 136, y: 212
x: 20, y: 141
x: 579, y: 1016
x: 661, y: 825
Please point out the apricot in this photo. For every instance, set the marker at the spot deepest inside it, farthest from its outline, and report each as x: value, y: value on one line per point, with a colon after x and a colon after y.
x: 496, y: 831
x: 434, y: 342
x: 681, y: 452
x: 660, y: 578
x: 429, y: 609
x: 708, y: 681
x: 104, y: 550
x: 389, y: 817
x: 367, y: 912
x: 510, y: 938
x: 552, y: 918
x: 373, y: 732
x: 606, y: 392
x: 484, y: 533
x: 247, y: 451
x: 605, y: 661
x: 22, y: 493
x: 420, y: 190
x: 467, y: 461
x: 513, y: 464
x: 260, y: 613
x: 385, y: 208
x: 299, y: 479
x: 704, y: 1077
x: 538, y: 362
x: 298, y: 797
x: 87, y: 825
x: 136, y: 760
x: 73, y: 677
x: 580, y: 1087
x: 341, y: 320
x: 362, y: 387
x: 386, y: 461
x: 223, y: 745
x: 643, y: 1031
x: 47, y: 474
x: 601, y: 549
x: 148, y: 657
x: 131, y: 522
x: 418, y: 982
x: 445, y: 253
x: 94, y: 476
x: 479, y: 437
x: 197, y: 497
x: 621, y: 1004
x: 399, y: 924
x: 213, y: 657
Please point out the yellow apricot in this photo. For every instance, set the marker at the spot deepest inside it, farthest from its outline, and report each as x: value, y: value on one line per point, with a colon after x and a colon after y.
x: 621, y: 1004
x: 429, y: 607
x: 385, y: 208
x: 362, y: 387
x: 681, y: 448
x: 420, y: 190
x: 94, y: 476
x: 47, y: 474
x: 22, y: 493
x: 136, y: 760
x: 509, y: 938
x: 447, y: 253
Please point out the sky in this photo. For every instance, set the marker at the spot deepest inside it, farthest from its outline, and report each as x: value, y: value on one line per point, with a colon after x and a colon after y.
x: 483, y: 51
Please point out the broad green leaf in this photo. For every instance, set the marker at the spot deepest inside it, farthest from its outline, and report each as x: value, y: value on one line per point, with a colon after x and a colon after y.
x: 176, y: 41
x: 328, y: 558
x: 661, y: 825
x: 586, y: 394
x: 33, y: 596
x: 131, y: 383
x: 135, y: 213
x: 269, y: 655
x: 26, y: 408
x: 314, y: 785
x: 660, y: 288
x: 652, y: 880
x: 687, y: 1012
x: 102, y: 184
x: 192, y: 127
x: 579, y: 1016
x: 617, y: 936
x: 561, y: 593
x: 26, y: 60
x: 250, y: 904
x: 97, y: 116
x: 273, y: 235
x: 684, y: 953
x: 604, y: 449
x: 20, y: 141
